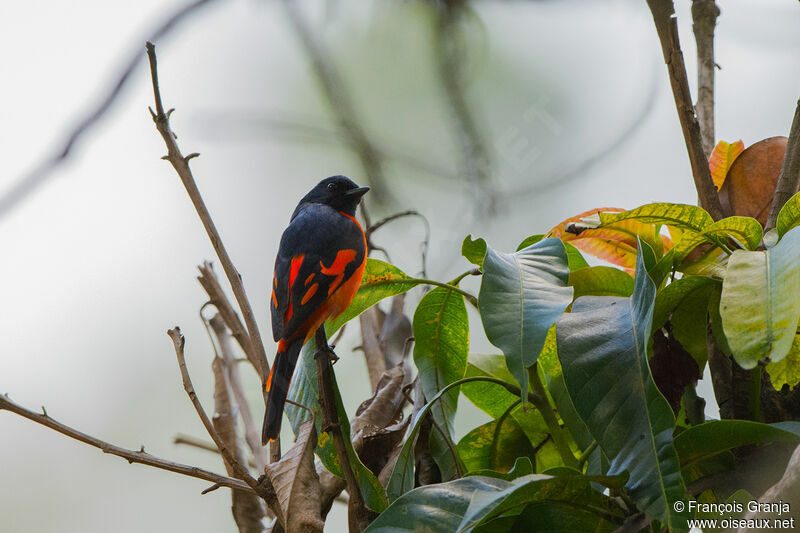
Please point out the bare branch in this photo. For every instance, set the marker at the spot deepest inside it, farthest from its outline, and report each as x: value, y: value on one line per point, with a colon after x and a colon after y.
x: 339, y: 102
x: 789, y: 178
x: 43, y: 171
x: 704, y: 18
x: 140, y: 456
x: 247, y: 509
x: 181, y: 166
x: 262, y: 486
x: 667, y: 27
x: 252, y: 435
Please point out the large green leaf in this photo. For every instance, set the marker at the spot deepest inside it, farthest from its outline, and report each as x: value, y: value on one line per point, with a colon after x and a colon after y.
x: 710, y: 438
x: 690, y: 323
x: 493, y: 447
x: 760, y: 306
x: 466, y: 503
x: 441, y: 346
x: 575, y: 258
x: 560, y: 517
x: 789, y: 215
x: 746, y: 230
x: 573, y: 488
x: 602, y: 345
x: 682, y: 216
x: 488, y: 397
x: 601, y: 281
x: 520, y: 297
x: 673, y: 294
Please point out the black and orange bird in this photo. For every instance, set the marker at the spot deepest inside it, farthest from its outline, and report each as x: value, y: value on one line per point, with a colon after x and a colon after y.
x: 318, y: 271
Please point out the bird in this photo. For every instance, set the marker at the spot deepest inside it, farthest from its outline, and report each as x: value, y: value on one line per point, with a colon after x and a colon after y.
x: 318, y: 270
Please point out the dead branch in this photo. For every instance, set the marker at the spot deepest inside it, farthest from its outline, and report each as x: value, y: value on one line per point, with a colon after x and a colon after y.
x: 704, y: 20
x: 262, y: 486
x: 43, y: 171
x: 140, y: 456
x: 339, y: 102
x: 789, y: 178
x: 251, y: 434
x: 667, y: 27
x: 181, y: 165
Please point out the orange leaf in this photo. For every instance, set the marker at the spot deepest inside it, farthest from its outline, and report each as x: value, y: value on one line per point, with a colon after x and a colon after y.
x: 722, y: 157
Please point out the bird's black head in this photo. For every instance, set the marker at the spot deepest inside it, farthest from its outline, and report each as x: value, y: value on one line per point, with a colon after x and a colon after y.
x: 339, y: 192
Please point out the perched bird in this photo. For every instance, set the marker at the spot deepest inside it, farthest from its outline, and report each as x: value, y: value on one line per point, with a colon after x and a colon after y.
x: 318, y: 271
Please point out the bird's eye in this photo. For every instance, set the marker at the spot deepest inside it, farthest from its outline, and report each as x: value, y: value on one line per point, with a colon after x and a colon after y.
x: 331, y: 186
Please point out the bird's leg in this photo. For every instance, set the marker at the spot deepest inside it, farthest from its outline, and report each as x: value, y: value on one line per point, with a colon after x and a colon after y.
x: 323, y: 346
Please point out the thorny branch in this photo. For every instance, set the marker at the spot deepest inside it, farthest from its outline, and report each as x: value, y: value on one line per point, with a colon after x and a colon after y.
x: 667, y: 27
x: 789, y: 178
x: 30, y: 182
x: 339, y: 102
x: 181, y: 165
x: 140, y: 456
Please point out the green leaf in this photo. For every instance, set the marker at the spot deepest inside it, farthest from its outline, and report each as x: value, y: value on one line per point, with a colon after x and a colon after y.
x: 522, y: 467
x: 560, y: 517
x: 575, y: 258
x: 746, y: 230
x: 682, y: 216
x: 711, y: 438
x: 574, y: 488
x: 789, y: 215
x: 759, y: 305
x: 488, y: 397
x: 487, y: 448
x: 441, y: 346
x: 380, y: 281
x: 602, y: 345
x: 474, y: 251
x: 520, y: 297
x: 690, y: 323
x: 600, y: 281
x: 436, y: 507
x: 787, y: 370
x: 673, y: 294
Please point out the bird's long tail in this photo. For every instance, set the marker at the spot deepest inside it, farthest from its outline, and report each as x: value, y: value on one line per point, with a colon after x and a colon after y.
x: 278, y: 387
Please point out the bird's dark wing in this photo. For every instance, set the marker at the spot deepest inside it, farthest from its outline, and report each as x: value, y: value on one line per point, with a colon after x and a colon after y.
x: 319, y: 250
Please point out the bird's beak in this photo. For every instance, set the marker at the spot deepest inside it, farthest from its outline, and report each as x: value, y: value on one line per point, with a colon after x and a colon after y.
x: 358, y: 193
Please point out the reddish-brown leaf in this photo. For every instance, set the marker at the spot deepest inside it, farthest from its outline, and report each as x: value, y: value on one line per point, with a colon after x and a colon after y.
x: 751, y: 180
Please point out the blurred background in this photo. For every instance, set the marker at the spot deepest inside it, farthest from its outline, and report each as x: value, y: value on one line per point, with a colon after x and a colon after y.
x: 565, y: 104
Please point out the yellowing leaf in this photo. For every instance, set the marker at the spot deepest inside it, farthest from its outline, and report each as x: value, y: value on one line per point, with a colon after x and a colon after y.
x: 722, y: 157
x: 787, y: 370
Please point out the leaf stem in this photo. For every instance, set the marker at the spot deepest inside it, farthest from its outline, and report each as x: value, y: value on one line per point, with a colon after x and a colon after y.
x: 422, y: 281
x: 539, y: 399
x: 586, y: 453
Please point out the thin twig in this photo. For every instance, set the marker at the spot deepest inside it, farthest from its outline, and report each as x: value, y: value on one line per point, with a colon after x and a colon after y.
x: 140, y: 456
x: 181, y: 165
x: 339, y: 102
x: 262, y: 486
x: 357, y: 511
x: 704, y: 20
x: 208, y: 280
x: 43, y: 171
x: 667, y: 27
x: 251, y: 433
x: 789, y: 178
x: 449, y: 49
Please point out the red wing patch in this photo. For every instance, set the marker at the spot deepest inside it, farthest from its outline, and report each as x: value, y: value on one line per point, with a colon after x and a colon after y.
x: 309, y: 293
x: 295, y: 268
x: 337, y: 268
x: 308, y: 279
x: 274, y: 299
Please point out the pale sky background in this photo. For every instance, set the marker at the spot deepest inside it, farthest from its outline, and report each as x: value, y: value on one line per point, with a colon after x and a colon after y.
x: 100, y: 261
